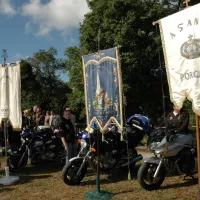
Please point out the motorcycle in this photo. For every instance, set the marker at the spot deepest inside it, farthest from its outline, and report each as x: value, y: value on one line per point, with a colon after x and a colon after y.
x: 81, y: 138
x: 40, y: 145
x: 114, y: 153
x: 173, y: 154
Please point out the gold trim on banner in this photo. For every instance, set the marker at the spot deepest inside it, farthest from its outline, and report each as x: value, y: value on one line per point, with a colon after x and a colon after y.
x: 112, y: 119
x: 84, y: 77
x: 107, y: 58
x: 120, y: 86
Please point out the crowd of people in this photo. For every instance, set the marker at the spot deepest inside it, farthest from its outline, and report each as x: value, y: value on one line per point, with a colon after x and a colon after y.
x: 33, y: 119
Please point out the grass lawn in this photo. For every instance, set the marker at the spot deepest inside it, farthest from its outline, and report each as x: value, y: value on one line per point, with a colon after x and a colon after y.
x: 44, y: 182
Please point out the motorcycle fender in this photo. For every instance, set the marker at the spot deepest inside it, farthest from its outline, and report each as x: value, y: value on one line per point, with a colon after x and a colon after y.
x: 153, y: 160
x: 78, y: 159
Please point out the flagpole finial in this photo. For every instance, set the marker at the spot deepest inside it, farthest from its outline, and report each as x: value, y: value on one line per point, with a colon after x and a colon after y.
x: 186, y: 3
x: 4, y: 55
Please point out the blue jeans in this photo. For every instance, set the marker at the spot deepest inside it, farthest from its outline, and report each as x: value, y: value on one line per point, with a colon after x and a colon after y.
x: 72, y: 151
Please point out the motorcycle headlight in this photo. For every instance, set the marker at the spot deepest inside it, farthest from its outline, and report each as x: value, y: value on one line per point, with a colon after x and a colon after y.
x: 83, y: 144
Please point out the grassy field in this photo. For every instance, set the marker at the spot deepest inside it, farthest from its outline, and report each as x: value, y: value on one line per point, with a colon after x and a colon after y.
x: 44, y: 182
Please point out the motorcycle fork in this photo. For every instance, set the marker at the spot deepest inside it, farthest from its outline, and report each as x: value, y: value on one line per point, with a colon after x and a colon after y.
x: 83, y: 163
x: 158, y: 169
x: 23, y: 156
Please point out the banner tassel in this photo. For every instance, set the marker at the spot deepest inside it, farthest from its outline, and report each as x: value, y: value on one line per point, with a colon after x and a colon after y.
x: 121, y: 137
x: 129, y: 175
x: 103, y: 138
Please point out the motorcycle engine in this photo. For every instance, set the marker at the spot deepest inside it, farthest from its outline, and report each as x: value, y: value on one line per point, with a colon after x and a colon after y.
x: 107, y: 161
x: 186, y: 161
x: 49, y: 150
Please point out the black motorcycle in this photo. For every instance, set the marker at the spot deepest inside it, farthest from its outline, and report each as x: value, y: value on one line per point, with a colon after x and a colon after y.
x: 38, y: 146
x: 114, y: 153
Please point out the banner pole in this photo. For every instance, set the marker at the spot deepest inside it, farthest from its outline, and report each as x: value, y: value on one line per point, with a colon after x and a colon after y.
x: 97, y: 175
x: 198, y: 153
x: 98, y: 194
x: 7, y: 180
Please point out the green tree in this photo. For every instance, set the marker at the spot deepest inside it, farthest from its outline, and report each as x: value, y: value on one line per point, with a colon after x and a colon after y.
x: 76, y: 100
x: 128, y: 24
x: 41, y: 83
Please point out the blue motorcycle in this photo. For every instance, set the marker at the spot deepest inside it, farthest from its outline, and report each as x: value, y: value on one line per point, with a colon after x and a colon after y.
x: 114, y: 153
x: 36, y: 146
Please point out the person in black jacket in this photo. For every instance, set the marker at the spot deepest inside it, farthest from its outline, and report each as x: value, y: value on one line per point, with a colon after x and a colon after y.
x: 68, y: 135
x: 178, y: 120
x: 26, y: 119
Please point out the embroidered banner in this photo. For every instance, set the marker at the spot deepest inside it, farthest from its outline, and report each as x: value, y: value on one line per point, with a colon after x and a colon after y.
x: 10, y: 95
x: 103, y: 94
x: 180, y: 34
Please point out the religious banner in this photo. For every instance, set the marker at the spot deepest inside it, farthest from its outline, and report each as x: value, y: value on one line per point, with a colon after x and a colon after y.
x: 180, y: 35
x: 103, y: 93
x: 10, y: 95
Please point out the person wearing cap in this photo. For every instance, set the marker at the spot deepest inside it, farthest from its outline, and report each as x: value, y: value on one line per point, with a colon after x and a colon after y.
x: 72, y: 117
x: 67, y: 135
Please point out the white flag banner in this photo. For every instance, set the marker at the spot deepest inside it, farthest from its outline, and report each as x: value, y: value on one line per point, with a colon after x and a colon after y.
x: 10, y: 95
x: 180, y: 35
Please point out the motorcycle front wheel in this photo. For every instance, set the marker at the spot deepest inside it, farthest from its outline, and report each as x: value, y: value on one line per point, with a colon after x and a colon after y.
x: 70, y: 170
x: 146, y: 179
x: 17, y: 162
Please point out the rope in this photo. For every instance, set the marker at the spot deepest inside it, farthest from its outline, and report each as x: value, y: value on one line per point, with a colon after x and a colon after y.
x: 161, y: 78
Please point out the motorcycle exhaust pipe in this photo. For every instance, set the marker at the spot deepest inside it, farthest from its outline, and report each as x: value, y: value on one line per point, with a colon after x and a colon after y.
x: 133, y: 160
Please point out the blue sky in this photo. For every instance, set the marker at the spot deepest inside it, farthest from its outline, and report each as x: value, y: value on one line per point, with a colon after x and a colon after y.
x: 27, y: 26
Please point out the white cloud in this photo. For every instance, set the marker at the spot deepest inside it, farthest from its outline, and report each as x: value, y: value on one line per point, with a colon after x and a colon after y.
x: 28, y: 27
x: 56, y: 14
x: 7, y: 8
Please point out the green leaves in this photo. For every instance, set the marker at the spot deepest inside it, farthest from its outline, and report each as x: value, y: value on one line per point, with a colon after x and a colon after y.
x: 41, y: 84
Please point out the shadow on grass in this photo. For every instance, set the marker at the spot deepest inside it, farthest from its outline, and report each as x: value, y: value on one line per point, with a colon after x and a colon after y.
x: 43, y: 168
x: 5, y: 188
x: 187, y: 183
x: 25, y: 179
x: 117, y: 175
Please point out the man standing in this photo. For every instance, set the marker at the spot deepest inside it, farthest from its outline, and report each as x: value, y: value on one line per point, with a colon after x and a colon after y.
x: 68, y: 136
x: 72, y: 117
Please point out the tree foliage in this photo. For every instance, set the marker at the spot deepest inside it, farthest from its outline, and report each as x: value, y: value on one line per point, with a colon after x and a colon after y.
x: 41, y: 84
x: 128, y: 24
x: 74, y: 67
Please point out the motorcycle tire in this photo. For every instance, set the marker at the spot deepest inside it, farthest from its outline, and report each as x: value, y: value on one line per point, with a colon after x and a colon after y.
x: 13, y: 162
x: 145, y: 176
x: 69, y: 173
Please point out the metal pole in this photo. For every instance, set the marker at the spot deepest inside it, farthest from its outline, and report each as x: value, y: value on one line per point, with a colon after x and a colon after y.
x: 6, y: 140
x: 4, y: 56
x: 98, y: 153
x: 198, y: 153
x: 97, y: 175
